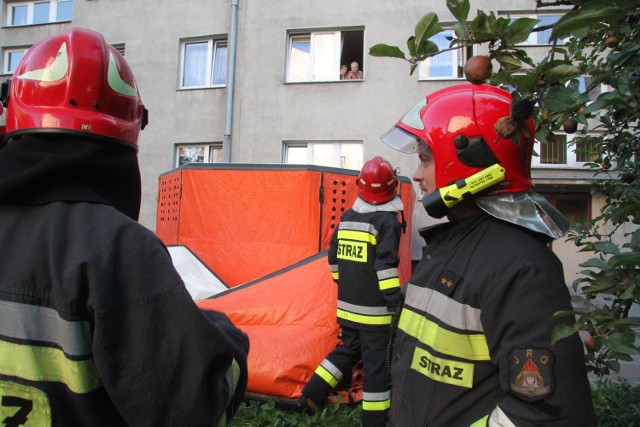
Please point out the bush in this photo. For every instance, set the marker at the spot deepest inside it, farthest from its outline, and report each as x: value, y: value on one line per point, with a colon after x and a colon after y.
x: 617, y: 404
x: 258, y: 414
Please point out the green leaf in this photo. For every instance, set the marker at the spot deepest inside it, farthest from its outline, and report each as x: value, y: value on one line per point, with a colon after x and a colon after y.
x: 579, y: 21
x: 562, y: 331
x: 461, y: 31
x: 595, y: 262
x: 519, y: 30
x: 561, y: 72
x: 632, y: 258
x: 459, y: 9
x: 508, y: 61
x: 606, y: 247
x: 427, y: 27
x: 386, y: 50
x: 631, y: 321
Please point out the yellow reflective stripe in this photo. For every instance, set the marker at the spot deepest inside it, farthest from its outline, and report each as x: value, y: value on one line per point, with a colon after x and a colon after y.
x: 466, y: 346
x: 364, y: 319
x: 359, y: 236
x: 326, y: 375
x: 481, y: 422
x: 376, y: 406
x: 385, y: 284
x: 443, y: 370
x: 48, y: 364
x: 336, y: 276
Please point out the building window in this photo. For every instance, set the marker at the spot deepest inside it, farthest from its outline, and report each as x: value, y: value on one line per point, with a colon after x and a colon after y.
x: 445, y: 65
x: 120, y: 47
x: 318, y: 56
x: 540, y: 38
x: 11, y: 60
x: 39, y: 12
x: 198, y: 153
x: 554, y: 151
x: 204, y: 63
x: 346, y: 155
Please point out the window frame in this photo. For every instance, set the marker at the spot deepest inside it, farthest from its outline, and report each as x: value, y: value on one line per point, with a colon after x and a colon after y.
x: 6, y: 52
x: 53, y: 12
x: 317, y: 64
x: 338, y: 151
x: 462, y: 54
x: 213, y: 44
x: 209, y: 151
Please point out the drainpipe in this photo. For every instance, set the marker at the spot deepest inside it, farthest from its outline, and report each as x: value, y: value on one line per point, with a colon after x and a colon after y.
x: 231, y: 75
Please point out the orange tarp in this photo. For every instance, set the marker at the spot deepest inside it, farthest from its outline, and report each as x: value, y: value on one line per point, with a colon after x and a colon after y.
x: 290, y: 318
x: 264, y: 231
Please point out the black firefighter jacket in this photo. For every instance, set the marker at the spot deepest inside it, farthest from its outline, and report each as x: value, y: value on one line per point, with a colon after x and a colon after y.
x: 474, y: 335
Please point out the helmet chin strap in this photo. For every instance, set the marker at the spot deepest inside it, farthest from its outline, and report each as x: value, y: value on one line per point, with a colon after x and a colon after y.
x: 438, y: 203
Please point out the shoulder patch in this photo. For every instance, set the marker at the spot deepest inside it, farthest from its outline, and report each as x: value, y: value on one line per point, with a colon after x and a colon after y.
x: 531, y: 373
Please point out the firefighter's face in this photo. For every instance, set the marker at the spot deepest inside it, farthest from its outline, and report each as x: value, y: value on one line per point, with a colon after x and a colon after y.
x: 425, y: 174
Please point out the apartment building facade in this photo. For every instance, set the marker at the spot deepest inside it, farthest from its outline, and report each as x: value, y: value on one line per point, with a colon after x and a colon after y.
x: 248, y: 81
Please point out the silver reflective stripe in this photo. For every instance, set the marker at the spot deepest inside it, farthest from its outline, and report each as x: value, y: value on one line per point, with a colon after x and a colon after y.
x: 363, y: 309
x: 359, y: 226
x: 373, y: 397
x: 332, y: 369
x: 453, y: 313
x: 30, y: 322
x: 388, y: 273
x: 334, y: 268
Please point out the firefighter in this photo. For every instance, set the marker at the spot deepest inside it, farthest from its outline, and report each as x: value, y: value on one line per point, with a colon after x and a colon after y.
x: 96, y: 326
x: 363, y: 258
x: 473, y: 342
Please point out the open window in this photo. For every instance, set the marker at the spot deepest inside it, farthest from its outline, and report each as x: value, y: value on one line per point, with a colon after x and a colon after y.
x: 318, y: 55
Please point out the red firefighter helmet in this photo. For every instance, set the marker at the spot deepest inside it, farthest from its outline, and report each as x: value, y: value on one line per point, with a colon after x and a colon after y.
x: 457, y: 123
x: 377, y: 181
x: 75, y: 83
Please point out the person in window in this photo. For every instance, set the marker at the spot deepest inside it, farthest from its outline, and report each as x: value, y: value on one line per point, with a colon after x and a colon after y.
x: 354, y: 73
x: 473, y: 340
x: 343, y: 72
x: 363, y: 258
x: 97, y: 326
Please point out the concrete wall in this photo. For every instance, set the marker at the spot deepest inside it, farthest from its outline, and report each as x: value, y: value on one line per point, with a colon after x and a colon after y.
x: 267, y: 110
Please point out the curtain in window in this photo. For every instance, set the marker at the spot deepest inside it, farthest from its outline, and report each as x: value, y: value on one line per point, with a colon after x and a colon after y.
x: 195, y: 64
x: 299, y: 59
x: 220, y: 65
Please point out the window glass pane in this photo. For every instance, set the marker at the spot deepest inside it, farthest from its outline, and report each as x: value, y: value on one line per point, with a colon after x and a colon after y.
x: 216, y: 155
x: 554, y: 151
x: 299, y: 59
x: 324, y: 58
x: 190, y: 155
x: 64, y: 11
x: 586, y: 150
x: 41, y: 12
x: 323, y: 154
x: 195, y: 64
x: 19, y: 15
x: 13, y: 60
x: 543, y: 36
x: 351, y: 156
x: 574, y: 206
x: 296, y: 154
x: 220, y: 65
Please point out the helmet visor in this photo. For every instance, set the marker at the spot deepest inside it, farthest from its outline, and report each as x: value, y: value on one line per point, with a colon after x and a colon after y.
x: 401, y: 140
